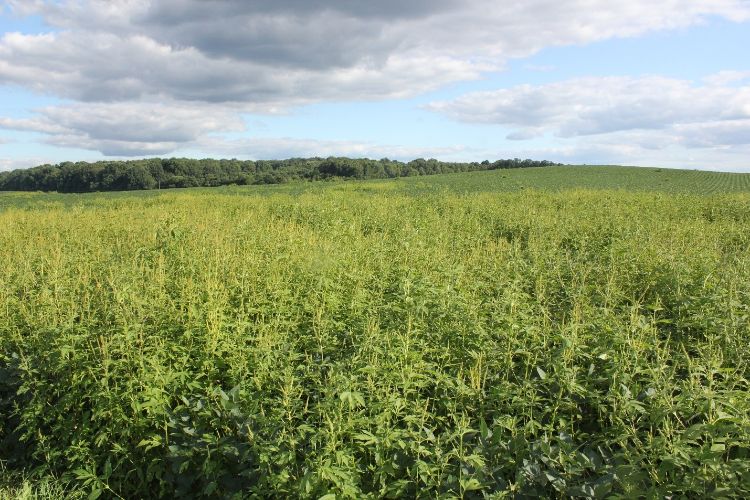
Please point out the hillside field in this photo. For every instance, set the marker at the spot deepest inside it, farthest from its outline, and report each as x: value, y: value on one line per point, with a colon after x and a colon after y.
x: 553, y: 332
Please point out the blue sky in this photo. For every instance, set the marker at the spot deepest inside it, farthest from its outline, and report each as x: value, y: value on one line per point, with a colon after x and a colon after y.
x: 569, y: 81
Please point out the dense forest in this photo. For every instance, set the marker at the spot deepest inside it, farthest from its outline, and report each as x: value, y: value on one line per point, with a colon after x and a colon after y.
x: 161, y: 173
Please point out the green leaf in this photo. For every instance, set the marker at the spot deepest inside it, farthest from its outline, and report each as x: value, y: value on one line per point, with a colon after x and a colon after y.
x: 483, y: 430
x: 471, y: 485
x: 83, y: 474
x: 366, y: 438
x: 210, y: 488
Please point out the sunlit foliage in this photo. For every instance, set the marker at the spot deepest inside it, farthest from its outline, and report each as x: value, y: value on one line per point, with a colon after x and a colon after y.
x: 417, y: 338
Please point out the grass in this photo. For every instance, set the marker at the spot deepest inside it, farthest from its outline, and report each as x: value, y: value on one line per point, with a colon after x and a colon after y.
x: 557, y: 178
x: 16, y: 487
x: 562, y: 178
x: 454, y: 336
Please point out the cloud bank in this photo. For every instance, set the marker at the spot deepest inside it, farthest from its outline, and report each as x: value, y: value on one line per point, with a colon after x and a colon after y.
x: 655, y: 111
x: 205, y: 63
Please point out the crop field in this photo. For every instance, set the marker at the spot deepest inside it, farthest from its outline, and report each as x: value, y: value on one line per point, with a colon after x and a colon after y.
x: 554, y: 332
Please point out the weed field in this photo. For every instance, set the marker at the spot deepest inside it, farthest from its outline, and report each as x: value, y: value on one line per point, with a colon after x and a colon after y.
x: 487, y: 335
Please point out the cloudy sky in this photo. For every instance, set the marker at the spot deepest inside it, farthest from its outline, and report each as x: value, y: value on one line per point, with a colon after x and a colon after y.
x: 577, y: 81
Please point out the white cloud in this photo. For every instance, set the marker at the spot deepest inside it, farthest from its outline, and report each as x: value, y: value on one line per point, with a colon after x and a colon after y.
x: 727, y: 133
x: 127, y: 129
x: 672, y: 111
x: 288, y: 147
x: 724, y: 160
x: 623, y: 148
x: 727, y: 78
x: 14, y: 163
x: 286, y: 52
x: 138, y: 129
x: 151, y: 77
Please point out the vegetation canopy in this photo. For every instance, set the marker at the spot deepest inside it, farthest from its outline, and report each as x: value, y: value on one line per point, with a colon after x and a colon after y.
x: 84, y: 177
x: 486, y: 334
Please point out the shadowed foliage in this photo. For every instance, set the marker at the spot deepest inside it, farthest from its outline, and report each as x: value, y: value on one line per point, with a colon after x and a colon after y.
x: 83, y: 177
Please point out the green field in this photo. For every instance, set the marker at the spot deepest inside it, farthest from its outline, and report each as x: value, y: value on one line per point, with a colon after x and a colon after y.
x: 556, y: 178
x: 555, y: 332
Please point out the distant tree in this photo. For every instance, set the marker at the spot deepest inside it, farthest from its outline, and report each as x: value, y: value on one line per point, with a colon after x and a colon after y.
x: 80, y: 177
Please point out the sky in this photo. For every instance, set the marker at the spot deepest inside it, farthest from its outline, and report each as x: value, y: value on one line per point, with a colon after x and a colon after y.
x: 574, y: 81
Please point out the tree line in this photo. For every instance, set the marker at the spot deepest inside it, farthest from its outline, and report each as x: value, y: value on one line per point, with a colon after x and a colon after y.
x: 163, y: 173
